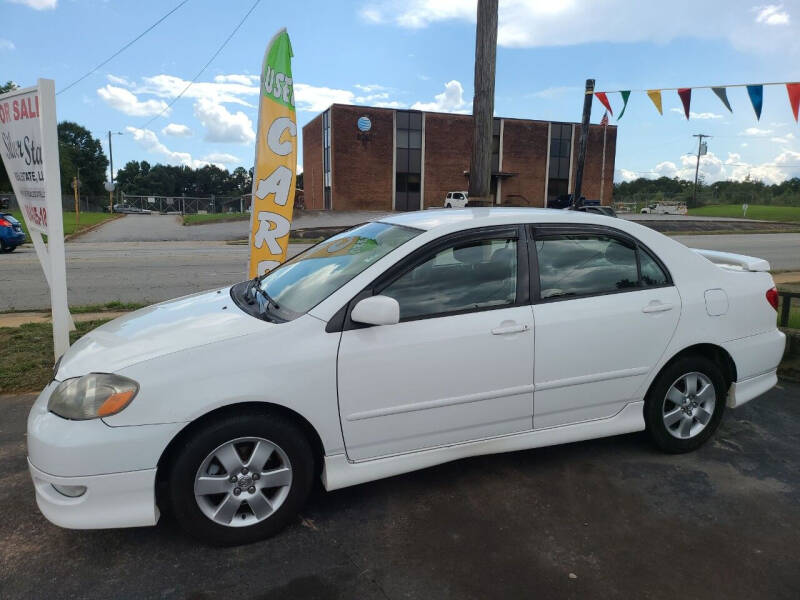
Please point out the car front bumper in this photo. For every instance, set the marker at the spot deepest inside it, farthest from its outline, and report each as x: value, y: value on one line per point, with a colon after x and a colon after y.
x: 116, y: 465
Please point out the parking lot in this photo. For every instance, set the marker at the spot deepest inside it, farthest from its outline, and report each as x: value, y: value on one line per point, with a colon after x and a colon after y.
x: 608, y: 518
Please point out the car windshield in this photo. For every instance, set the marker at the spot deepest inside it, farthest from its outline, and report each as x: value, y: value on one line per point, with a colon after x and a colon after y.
x: 306, y: 280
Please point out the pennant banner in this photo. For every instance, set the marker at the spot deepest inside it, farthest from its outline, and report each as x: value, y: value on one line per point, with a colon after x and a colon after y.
x: 722, y: 94
x: 276, y: 159
x: 604, y: 101
x: 755, y: 91
x: 794, y: 97
x: 686, y: 99
x: 655, y: 96
x: 625, y: 95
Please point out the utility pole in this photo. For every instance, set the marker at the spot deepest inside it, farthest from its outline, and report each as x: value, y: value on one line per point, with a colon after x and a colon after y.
x: 76, y: 184
x: 480, y: 170
x: 111, y: 169
x: 587, y: 113
x: 701, y: 150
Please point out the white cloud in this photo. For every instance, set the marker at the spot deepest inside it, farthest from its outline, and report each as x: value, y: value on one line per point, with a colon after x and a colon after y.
x: 222, y: 157
x: 694, y: 115
x: 713, y: 168
x: 119, y: 80
x: 534, y: 23
x: 450, y: 100
x: 222, y: 125
x: 177, y: 130
x: 246, y: 80
x: 148, y: 140
x: 6, y: 44
x: 772, y: 14
x: 37, y: 4
x: 785, y: 140
x: 755, y: 131
x: 127, y: 102
x: 554, y: 92
x: 169, y: 86
x: 370, y: 87
x: 315, y: 98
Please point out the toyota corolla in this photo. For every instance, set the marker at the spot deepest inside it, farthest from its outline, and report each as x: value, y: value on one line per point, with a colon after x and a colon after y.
x: 399, y: 344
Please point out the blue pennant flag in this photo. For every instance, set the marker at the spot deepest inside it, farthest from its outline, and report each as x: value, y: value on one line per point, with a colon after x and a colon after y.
x: 756, y: 93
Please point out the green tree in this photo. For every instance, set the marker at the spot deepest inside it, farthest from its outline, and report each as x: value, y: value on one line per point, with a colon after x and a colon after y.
x: 78, y: 149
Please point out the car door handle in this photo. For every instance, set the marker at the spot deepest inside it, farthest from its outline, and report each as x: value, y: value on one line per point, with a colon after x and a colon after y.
x: 657, y: 306
x: 506, y: 329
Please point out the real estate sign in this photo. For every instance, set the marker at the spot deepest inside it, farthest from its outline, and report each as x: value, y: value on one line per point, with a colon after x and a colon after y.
x: 276, y: 159
x: 29, y: 147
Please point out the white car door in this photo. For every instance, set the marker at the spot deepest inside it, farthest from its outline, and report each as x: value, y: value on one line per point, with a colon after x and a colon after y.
x: 459, y: 364
x: 605, y: 310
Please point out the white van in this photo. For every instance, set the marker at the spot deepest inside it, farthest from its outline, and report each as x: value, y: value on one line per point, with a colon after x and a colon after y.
x: 456, y: 199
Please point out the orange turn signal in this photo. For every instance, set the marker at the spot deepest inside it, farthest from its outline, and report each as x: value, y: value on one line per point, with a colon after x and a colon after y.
x: 115, y: 403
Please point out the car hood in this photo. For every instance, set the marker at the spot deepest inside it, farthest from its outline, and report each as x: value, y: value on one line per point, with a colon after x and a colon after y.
x: 157, y: 330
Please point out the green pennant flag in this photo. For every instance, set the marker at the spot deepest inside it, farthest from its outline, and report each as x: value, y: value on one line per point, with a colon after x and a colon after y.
x: 625, y: 95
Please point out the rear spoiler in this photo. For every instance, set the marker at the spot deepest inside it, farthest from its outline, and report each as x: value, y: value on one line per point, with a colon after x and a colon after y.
x: 735, y: 261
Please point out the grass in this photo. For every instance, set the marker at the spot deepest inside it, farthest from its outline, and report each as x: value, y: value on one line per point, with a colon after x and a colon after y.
x: 87, y: 219
x: 113, y: 306
x: 26, y: 355
x: 215, y: 218
x: 754, y: 211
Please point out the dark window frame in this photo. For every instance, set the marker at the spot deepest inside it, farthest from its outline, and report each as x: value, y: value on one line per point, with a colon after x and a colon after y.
x: 341, y: 321
x: 540, y: 231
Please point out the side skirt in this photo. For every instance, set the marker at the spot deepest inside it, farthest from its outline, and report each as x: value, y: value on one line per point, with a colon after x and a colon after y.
x: 339, y: 472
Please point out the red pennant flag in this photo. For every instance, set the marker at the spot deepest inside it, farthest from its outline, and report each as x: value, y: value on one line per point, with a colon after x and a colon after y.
x: 686, y: 98
x: 603, y: 100
x: 794, y: 97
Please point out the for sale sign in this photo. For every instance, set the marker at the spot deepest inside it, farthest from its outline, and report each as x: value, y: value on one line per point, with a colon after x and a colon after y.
x: 29, y: 147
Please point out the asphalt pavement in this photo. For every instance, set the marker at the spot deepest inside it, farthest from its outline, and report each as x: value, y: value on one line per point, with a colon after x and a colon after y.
x: 610, y: 518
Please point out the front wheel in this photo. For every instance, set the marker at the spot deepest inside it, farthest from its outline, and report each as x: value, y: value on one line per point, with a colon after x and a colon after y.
x: 448, y: 205
x: 685, y: 404
x: 242, y: 478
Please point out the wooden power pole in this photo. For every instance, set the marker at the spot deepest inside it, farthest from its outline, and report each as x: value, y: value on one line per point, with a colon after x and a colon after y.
x: 480, y: 169
x: 587, y: 113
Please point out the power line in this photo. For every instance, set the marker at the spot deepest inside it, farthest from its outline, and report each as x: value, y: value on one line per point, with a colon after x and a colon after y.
x: 125, y: 47
x: 210, y: 60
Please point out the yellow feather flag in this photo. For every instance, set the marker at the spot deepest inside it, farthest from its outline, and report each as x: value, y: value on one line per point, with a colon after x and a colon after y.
x: 655, y: 96
x: 276, y: 159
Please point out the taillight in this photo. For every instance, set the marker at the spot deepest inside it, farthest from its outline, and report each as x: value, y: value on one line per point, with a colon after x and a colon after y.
x: 4, y: 223
x: 772, y: 297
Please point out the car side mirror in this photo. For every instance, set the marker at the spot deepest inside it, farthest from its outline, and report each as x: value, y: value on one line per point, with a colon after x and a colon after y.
x: 376, y: 310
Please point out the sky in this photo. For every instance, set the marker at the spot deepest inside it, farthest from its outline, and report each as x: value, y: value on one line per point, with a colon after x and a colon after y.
x: 419, y: 54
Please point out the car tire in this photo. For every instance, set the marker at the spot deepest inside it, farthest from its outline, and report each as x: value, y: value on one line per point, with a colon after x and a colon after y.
x: 448, y: 205
x: 685, y: 404
x: 260, y: 512
x: 8, y: 249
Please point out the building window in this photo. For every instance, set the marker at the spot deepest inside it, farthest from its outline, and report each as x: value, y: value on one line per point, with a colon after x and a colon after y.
x: 560, y: 152
x: 495, y: 145
x: 326, y: 160
x: 408, y: 156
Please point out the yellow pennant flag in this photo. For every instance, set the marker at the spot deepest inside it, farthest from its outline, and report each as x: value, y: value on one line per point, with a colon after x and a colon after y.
x: 655, y: 96
x: 276, y: 159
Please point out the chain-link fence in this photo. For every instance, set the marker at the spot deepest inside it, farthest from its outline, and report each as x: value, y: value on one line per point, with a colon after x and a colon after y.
x: 161, y: 204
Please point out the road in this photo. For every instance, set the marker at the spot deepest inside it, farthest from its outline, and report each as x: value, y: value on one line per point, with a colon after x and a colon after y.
x: 609, y: 518
x: 155, y: 271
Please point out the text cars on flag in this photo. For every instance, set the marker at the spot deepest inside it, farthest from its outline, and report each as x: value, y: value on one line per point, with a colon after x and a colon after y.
x: 276, y: 159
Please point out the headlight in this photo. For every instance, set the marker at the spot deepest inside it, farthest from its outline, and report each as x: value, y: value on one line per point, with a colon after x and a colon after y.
x: 92, y: 396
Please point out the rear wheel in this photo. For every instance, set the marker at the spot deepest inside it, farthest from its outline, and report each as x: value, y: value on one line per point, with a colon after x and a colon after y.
x: 241, y: 479
x: 685, y: 404
x: 448, y: 205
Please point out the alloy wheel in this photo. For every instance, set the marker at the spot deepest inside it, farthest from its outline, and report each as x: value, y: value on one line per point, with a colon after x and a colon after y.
x: 689, y: 405
x: 242, y: 482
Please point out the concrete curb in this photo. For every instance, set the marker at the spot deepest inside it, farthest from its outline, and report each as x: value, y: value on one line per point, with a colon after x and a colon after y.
x: 77, y: 234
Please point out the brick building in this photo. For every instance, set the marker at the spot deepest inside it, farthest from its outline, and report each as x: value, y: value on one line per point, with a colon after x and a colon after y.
x: 365, y: 158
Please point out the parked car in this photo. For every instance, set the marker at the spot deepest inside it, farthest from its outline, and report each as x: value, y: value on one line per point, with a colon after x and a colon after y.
x: 456, y: 199
x: 565, y: 201
x: 394, y: 346
x: 130, y: 209
x: 606, y: 211
x: 11, y: 234
x: 665, y: 208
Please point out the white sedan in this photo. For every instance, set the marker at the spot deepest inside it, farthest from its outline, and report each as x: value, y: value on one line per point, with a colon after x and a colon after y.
x: 400, y: 344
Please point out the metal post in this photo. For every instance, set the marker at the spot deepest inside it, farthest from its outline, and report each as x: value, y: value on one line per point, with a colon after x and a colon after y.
x: 480, y: 171
x: 587, y: 113
x: 699, y: 137
x: 76, y: 184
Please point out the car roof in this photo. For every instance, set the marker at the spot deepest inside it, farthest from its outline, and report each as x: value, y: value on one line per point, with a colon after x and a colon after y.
x: 454, y: 219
